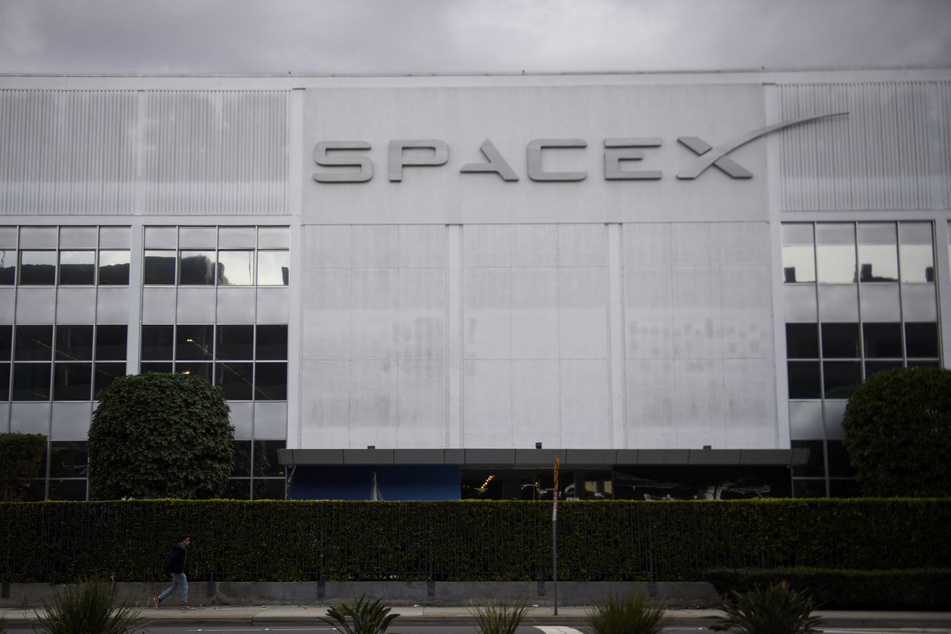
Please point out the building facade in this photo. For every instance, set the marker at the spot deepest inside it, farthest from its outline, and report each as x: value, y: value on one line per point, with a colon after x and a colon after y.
x: 432, y: 287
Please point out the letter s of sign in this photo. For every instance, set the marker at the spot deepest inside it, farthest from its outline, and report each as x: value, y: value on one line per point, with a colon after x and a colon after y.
x: 323, y: 158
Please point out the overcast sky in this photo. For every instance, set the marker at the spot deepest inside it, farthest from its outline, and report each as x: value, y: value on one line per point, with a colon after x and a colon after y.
x: 466, y: 36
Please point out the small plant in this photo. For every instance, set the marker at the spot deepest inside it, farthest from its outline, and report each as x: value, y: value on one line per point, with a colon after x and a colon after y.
x: 86, y: 608
x: 498, y: 617
x: 366, y: 617
x: 634, y: 614
x: 775, y: 610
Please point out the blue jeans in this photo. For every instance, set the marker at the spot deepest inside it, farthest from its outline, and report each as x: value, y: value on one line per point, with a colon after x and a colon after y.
x: 178, y: 580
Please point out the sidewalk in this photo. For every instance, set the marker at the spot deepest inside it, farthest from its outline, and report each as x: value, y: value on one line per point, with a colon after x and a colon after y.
x: 933, y: 622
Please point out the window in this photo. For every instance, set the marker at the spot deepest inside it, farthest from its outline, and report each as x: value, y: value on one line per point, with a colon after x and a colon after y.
x: 247, y: 362
x: 222, y: 256
x: 83, y: 256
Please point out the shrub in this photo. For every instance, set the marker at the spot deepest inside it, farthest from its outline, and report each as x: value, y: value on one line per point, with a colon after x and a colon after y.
x: 499, y: 617
x: 634, y: 614
x: 773, y: 610
x: 89, y: 607
x: 366, y: 617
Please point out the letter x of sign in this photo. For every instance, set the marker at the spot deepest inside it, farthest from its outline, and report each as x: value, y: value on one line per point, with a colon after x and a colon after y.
x: 717, y: 156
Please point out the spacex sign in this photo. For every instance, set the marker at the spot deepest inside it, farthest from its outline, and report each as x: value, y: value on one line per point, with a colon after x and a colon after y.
x: 347, y: 161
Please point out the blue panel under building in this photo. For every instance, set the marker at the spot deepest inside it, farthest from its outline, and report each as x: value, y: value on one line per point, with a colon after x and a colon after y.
x: 380, y: 482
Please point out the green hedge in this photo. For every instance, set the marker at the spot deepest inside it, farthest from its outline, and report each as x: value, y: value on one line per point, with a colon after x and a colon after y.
x: 924, y: 589
x: 465, y: 541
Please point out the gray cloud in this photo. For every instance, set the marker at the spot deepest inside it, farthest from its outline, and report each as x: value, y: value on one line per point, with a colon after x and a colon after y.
x: 444, y: 36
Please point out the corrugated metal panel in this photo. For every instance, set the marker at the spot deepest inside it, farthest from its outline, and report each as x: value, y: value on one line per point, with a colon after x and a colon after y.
x: 944, y: 141
x: 878, y: 157
x: 121, y: 152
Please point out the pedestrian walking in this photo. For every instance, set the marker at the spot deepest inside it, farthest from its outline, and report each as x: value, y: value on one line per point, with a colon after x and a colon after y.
x: 175, y: 566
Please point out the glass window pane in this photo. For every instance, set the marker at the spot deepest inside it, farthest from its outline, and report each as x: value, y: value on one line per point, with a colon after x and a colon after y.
x: 5, y: 382
x: 841, y: 378
x: 238, y: 489
x: 882, y: 341
x: 878, y: 252
x: 204, y: 370
x: 8, y: 267
x: 235, y: 268
x: 196, y: 267
x: 160, y: 368
x: 840, y: 341
x: 34, y: 343
x: 921, y: 339
x: 816, y: 466
x: 195, y: 343
x: 265, y: 458
x: 72, y: 382
x: 106, y: 373
x: 242, y: 458
x: 66, y: 490
x: 835, y: 253
x: 916, y: 252
x: 802, y: 341
x: 68, y: 459
x: 31, y: 381
x: 235, y: 380
x: 157, y: 342
x: 269, y: 489
x: 114, y: 268
x: 234, y: 343
x: 77, y: 267
x: 6, y: 343
x: 799, y: 264
x: 273, y: 268
x: 38, y: 267
x: 804, y: 379
x: 159, y: 267
x: 271, y: 343
x: 838, y: 458
x: 871, y: 367
x: 111, y: 343
x: 270, y: 381
x: 73, y: 343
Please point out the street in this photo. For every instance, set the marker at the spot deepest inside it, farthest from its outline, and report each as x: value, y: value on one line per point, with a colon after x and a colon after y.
x: 437, y: 628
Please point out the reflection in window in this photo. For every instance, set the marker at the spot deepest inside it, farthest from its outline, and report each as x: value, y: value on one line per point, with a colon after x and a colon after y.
x: 271, y: 342
x: 840, y: 341
x: 921, y: 339
x: 799, y: 254
x: 236, y: 268
x: 31, y: 381
x: 73, y: 343
x: 157, y: 343
x: 34, y: 343
x: 6, y: 343
x: 802, y: 341
x: 196, y: 268
x: 835, y: 253
x: 273, y: 268
x: 77, y: 267
x: 882, y: 341
x: 194, y: 343
x: 916, y: 252
x: 114, y: 268
x: 159, y: 267
x: 38, y: 268
x: 105, y: 374
x: 236, y: 380
x: 878, y: 252
x: 804, y: 379
x: 270, y: 382
x: 8, y: 267
x: 841, y: 378
x: 234, y: 342
x: 111, y: 342
x: 4, y: 382
x: 72, y: 382
x: 204, y: 370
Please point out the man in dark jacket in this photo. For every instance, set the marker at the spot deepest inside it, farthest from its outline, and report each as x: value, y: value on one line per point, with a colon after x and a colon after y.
x: 175, y: 566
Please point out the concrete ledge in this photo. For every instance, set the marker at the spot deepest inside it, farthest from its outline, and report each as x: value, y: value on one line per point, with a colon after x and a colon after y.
x: 440, y: 593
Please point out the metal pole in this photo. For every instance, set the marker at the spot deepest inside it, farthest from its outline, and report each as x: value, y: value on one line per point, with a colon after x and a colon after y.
x: 554, y: 537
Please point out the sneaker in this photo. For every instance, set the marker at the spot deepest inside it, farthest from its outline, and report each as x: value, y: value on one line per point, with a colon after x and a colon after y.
x: 185, y: 606
x: 157, y: 602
